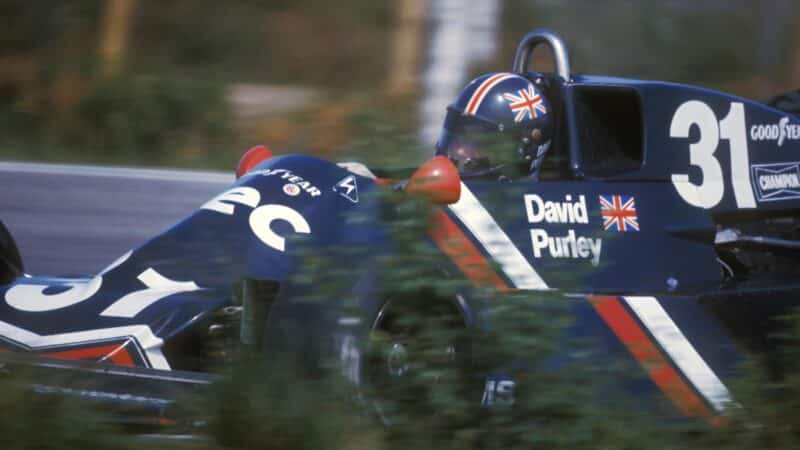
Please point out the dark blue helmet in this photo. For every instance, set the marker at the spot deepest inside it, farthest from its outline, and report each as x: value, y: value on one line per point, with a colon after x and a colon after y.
x: 500, y: 124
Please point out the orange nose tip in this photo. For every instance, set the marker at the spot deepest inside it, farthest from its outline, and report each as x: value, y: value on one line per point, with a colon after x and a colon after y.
x: 252, y: 158
x: 438, y: 180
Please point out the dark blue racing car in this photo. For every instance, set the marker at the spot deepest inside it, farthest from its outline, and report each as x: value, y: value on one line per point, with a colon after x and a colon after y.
x: 666, y: 215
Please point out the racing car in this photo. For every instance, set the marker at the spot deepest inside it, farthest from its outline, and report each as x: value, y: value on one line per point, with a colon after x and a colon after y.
x: 673, y: 208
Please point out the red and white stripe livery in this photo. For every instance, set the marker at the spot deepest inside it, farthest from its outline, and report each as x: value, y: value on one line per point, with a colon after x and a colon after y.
x: 480, y: 92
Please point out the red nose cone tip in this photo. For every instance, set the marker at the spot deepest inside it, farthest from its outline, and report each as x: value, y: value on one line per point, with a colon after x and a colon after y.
x: 438, y: 180
x: 252, y: 158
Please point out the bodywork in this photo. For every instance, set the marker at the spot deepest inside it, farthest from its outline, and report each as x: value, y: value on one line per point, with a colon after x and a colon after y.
x: 664, y: 216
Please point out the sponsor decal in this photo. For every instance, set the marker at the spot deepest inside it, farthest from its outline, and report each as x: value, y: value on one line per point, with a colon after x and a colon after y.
x: 619, y: 213
x: 498, y: 391
x: 780, y: 132
x: 527, y: 104
x: 347, y: 188
x: 779, y: 181
x: 568, y: 246
x: 289, y: 176
x: 101, y: 395
x: 291, y: 189
x: 568, y: 211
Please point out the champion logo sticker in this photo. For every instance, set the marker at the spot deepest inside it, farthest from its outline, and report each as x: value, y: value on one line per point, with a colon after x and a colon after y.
x: 780, y: 181
x: 291, y: 189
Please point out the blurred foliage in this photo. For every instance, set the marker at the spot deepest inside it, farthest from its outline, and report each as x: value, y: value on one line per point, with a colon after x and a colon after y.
x: 354, y: 403
x: 170, y: 103
x: 149, y: 116
x: 260, y: 407
x: 297, y: 42
x: 41, y: 421
x: 145, y: 120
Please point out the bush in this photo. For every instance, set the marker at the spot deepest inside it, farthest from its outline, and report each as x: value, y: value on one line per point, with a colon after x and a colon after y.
x: 46, y: 421
x: 148, y: 117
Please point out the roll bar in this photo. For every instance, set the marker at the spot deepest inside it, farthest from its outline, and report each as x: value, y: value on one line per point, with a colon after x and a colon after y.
x: 531, y: 41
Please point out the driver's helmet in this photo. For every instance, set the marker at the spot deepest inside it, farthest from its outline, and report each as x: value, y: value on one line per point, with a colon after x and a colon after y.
x: 501, y: 125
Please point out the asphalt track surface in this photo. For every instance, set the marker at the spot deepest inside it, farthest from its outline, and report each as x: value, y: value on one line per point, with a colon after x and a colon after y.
x: 75, y: 220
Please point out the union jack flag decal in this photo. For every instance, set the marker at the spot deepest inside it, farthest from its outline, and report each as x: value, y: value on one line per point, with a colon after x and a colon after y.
x: 527, y: 104
x: 619, y: 213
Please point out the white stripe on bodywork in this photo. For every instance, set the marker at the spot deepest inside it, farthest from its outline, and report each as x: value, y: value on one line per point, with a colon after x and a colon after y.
x: 480, y: 223
x: 141, y: 334
x: 680, y: 350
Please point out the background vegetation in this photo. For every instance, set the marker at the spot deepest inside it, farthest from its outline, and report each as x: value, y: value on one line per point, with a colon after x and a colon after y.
x: 193, y: 83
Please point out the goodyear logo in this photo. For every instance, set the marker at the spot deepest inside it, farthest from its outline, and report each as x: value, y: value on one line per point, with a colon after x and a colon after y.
x: 292, y: 178
x: 776, y: 181
x: 780, y: 132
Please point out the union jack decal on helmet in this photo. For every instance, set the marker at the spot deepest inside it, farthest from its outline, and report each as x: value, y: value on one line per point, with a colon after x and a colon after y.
x: 527, y: 104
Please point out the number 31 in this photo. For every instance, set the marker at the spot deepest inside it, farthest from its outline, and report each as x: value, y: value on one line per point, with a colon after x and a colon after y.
x: 711, y: 189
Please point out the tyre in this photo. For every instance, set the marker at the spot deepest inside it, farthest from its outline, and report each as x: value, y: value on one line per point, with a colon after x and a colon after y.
x: 10, y: 260
x: 416, y: 361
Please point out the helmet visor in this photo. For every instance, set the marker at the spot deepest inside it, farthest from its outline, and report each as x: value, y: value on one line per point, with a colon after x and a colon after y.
x: 475, y: 145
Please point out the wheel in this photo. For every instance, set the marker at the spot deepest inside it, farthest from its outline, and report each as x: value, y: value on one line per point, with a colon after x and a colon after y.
x: 10, y: 260
x: 416, y: 359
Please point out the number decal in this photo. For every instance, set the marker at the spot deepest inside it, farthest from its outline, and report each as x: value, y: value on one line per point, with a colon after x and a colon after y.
x: 262, y: 217
x: 701, y: 154
x: 733, y: 128
x: 242, y: 195
x: 158, y: 287
x: 35, y: 297
x: 711, y: 189
x: 261, y: 220
x: 32, y: 297
x: 498, y: 392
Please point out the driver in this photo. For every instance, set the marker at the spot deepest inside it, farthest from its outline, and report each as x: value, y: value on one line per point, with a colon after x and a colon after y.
x: 500, y: 127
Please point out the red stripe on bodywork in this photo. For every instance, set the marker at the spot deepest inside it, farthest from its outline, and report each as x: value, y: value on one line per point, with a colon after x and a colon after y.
x: 453, y: 243
x: 650, y: 357
x: 117, y: 353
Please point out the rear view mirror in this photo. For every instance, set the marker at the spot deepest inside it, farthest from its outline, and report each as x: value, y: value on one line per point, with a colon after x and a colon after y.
x: 437, y: 180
